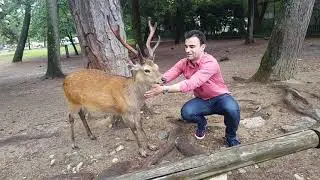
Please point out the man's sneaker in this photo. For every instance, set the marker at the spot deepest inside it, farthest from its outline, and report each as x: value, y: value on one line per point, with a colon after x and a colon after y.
x: 232, y: 142
x: 200, y: 134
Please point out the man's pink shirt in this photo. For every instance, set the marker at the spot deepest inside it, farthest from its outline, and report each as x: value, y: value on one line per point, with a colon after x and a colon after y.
x: 203, y: 77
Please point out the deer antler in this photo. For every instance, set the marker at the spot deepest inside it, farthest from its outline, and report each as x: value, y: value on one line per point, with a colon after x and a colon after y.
x: 117, y: 34
x: 152, y: 30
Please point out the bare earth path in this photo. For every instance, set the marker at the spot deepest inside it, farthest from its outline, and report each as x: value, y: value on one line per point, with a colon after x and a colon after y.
x: 34, y: 131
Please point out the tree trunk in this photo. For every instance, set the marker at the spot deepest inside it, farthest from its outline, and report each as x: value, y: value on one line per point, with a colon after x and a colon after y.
x: 259, y: 15
x: 53, y: 68
x: 136, y: 24
x: 72, y: 43
x: 179, y: 22
x: 97, y: 41
x: 279, y: 62
x: 24, y: 34
x: 249, y: 39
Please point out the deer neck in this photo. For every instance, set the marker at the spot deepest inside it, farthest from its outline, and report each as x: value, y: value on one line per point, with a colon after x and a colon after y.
x: 138, y: 88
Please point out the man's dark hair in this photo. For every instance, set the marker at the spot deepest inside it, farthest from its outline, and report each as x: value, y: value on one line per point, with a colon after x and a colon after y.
x: 196, y: 33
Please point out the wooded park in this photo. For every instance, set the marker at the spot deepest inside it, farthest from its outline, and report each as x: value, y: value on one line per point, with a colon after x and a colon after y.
x: 268, y: 52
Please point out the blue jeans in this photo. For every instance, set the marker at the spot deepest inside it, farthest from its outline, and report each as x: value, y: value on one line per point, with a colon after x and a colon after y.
x: 196, y: 109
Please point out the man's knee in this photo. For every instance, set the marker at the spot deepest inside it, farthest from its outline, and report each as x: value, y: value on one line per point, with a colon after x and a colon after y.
x: 187, y: 113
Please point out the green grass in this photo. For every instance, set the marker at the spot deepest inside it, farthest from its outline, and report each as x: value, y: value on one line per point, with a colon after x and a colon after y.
x: 32, y: 54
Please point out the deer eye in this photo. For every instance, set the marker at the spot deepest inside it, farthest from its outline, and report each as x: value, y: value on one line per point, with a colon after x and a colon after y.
x: 147, y: 71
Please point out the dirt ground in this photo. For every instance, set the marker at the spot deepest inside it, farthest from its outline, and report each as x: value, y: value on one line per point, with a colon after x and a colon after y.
x: 34, y: 131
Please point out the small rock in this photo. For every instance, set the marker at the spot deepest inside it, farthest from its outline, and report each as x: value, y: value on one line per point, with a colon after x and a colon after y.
x: 114, y: 160
x: 24, y: 178
x: 253, y: 122
x: 69, y: 167
x: 91, y: 157
x: 51, y: 156
x: 113, y: 152
x: 298, y: 177
x: 79, y: 166
x: 119, y: 148
x: 256, y: 166
x: 52, y: 162
x: 110, y: 126
x: 229, y: 173
x: 74, y: 170
x: 162, y: 135
x: 242, y: 171
x: 219, y: 177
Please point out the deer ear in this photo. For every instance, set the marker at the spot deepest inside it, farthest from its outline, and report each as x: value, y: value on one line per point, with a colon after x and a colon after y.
x: 134, y: 67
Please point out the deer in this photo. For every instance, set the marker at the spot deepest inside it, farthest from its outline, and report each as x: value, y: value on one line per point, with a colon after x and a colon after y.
x: 91, y: 90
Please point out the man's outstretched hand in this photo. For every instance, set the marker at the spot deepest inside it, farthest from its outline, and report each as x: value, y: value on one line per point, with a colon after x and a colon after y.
x: 155, y: 90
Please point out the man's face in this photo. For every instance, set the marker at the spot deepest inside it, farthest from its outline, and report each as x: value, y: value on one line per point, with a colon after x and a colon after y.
x: 193, y: 48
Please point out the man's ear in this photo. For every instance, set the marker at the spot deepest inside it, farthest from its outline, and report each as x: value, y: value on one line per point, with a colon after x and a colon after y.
x: 203, y: 47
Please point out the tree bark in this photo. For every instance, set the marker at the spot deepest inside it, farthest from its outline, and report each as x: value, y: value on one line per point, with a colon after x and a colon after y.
x: 249, y: 39
x: 53, y: 68
x: 279, y: 62
x: 24, y: 34
x: 98, y: 43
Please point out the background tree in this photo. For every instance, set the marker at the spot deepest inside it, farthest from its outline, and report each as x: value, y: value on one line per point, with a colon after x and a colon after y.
x: 97, y: 41
x: 279, y: 62
x: 136, y: 24
x: 66, y: 24
x: 24, y: 33
x: 53, y: 68
x: 249, y: 38
x: 10, y: 19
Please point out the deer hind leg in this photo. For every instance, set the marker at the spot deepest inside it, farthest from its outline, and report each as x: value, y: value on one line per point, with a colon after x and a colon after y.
x: 131, y: 121
x: 71, y: 121
x: 85, y: 124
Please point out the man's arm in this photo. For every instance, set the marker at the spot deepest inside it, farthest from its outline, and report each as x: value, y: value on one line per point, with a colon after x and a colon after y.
x: 173, y: 72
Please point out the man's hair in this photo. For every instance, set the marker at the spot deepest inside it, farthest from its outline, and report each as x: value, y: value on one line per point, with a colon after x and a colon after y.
x: 196, y: 33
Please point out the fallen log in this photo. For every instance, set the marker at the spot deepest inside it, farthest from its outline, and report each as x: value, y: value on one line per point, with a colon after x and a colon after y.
x: 202, y: 166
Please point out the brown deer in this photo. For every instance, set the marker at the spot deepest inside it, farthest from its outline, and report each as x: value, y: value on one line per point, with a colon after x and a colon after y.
x: 96, y: 91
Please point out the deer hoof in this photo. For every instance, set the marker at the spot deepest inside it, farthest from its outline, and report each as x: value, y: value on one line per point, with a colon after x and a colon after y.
x: 74, y: 147
x: 152, y: 147
x: 92, y: 137
x: 143, y: 153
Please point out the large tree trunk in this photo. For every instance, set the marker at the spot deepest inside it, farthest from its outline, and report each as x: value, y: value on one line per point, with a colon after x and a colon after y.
x: 53, y: 68
x: 97, y: 41
x: 249, y: 39
x: 280, y: 59
x: 24, y: 34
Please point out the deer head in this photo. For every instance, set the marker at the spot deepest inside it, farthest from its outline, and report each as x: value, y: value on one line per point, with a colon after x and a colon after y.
x: 143, y: 70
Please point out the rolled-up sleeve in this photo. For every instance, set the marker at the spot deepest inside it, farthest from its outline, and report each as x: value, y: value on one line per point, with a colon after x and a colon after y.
x: 174, y: 72
x: 206, y: 70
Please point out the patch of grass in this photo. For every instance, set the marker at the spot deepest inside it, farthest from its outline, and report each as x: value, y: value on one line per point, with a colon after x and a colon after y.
x: 32, y: 54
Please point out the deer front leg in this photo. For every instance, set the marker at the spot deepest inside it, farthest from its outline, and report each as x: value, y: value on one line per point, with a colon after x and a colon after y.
x: 131, y: 121
x: 152, y: 147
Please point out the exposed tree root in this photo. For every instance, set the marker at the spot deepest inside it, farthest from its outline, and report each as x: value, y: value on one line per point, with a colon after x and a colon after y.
x: 300, y: 104
x: 240, y: 79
